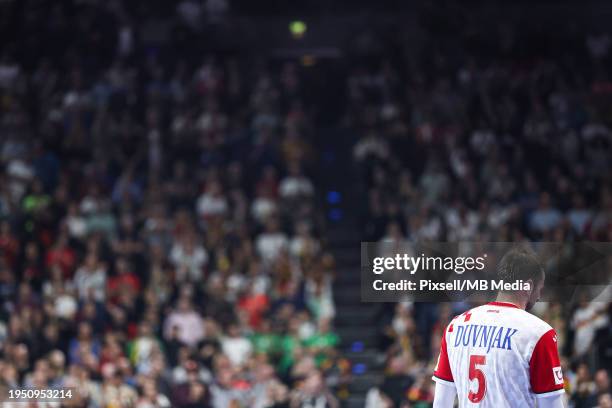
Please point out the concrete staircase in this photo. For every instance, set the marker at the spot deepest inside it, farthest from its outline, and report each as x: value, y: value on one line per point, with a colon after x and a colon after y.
x: 356, y: 323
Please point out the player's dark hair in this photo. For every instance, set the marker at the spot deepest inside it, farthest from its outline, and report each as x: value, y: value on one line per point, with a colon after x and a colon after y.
x: 520, y: 263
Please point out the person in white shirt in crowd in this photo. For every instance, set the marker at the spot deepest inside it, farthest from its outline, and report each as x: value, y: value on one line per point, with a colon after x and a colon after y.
x: 295, y: 184
x: 272, y: 241
x: 189, y: 258
x: 303, y: 242
x: 588, y: 318
x: 264, y: 206
x: 90, y: 279
x: 371, y: 145
x: 579, y: 216
x: 235, y: 346
x: 212, y: 202
x: 546, y: 217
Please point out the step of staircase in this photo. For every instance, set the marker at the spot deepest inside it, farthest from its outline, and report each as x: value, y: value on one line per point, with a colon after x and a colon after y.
x: 357, y: 314
x: 369, y: 360
x: 358, y: 338
x: 354, y: 401
x: 347, y: 275
x: 348, y: 293
x: 360, y: 384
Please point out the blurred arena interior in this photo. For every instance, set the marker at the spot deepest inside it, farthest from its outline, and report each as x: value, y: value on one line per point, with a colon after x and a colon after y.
x: 184, y: 186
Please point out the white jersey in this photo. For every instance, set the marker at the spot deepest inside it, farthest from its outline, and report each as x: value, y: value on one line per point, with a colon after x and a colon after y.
x: 498, y: 355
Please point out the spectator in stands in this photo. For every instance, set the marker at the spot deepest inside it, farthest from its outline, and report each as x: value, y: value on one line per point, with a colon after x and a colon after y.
x: 271, y: 242
x: 184, y: 324
x: 312, y: 392
x: 90, y: 279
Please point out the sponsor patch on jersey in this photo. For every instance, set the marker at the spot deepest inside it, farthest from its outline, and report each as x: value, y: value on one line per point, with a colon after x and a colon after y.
x: 558, y: 375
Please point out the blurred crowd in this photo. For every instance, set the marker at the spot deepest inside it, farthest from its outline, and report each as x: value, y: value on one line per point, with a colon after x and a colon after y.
x: 493, y: 133
x: 159, y: 230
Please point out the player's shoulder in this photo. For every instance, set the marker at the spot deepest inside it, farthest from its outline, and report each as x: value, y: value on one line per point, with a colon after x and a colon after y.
x: 528, y: 322
x: 534, y: 324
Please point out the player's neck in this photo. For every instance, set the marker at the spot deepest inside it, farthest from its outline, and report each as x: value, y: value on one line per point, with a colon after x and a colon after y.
x: 508, y: 298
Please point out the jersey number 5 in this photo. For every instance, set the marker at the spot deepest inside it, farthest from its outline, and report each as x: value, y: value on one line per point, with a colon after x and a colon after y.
x: 477, y: 374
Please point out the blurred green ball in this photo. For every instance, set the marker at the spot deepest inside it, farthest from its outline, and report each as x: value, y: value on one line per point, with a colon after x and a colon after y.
x: 297, y: 28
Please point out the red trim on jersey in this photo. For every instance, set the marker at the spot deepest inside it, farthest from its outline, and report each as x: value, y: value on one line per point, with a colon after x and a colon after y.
x: 544, y: 366
x: 443, y: 370
x: 436, y: 378
x: 503, y: 304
